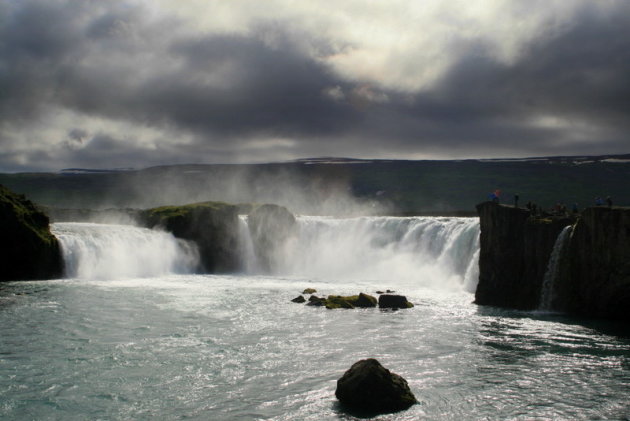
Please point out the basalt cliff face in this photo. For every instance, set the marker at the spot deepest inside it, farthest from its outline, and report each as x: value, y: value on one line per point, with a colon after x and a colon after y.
x: 596, y: 281
x: 594, y: 274
x: 28, y: 250
x: 514, y: 252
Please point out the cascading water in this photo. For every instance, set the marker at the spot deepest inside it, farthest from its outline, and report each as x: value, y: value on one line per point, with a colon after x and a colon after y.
x: 106, y: 251
x: 553, y: 267
x: 424, y: 251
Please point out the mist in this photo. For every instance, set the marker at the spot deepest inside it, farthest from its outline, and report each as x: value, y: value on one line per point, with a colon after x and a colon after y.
x: 297, y: 187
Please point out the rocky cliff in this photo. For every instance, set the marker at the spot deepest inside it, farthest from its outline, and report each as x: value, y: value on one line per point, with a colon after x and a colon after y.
x: 594, y: 274
x: 514, y: 252
x: 596, y: 281
x: 29, y: 250
x: 213, y: 226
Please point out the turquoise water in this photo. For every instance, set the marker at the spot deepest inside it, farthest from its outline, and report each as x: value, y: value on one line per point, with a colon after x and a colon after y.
x: 176, y: 347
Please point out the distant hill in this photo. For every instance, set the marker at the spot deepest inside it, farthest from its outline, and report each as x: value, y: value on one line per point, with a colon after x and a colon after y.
x: 339, y: 185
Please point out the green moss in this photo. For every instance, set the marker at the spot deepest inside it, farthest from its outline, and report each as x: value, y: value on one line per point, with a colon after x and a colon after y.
x: 351, y: 301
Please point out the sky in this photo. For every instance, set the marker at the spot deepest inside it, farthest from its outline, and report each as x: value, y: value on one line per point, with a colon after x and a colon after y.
x: 138, y: 83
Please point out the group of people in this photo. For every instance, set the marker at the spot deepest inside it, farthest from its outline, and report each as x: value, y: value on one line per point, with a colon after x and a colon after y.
x: 600, y: 202
x: 559, y: 209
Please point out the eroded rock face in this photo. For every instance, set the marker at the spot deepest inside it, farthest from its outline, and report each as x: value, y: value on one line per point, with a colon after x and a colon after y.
x: 29, y: 250
x: 271, y: 227
x: 213, y: 226
x: 597, y: 280
x: 514, y: 253
x: 369, y: 387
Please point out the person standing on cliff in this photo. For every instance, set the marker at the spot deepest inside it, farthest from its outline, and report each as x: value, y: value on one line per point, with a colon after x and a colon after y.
x: 516, y: 200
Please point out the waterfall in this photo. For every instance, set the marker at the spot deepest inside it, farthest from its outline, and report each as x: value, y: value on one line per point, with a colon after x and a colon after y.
x: 107, y: 251
x: 437, y: 252
x: 553, y: 267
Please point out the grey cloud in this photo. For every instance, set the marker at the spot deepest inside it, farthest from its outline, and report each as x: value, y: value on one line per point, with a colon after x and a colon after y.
x: 109, y: 60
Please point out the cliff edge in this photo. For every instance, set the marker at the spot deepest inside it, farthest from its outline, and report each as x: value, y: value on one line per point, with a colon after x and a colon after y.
x: 514, y: 252
x: 597, y: 279
x: 593, y: 278
x: 29, y: 250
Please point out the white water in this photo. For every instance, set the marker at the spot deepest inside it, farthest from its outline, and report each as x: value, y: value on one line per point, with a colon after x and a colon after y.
x: 438, y: 253
x: 553, y: 267
x: 432, y: 252
x: 107, y: 251
x: 235, y: 348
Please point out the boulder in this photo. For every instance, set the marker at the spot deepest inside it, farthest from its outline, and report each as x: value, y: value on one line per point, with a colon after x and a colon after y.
x: 316, y: 301
x: 350, y: 301
x: 212, y: 226
x: 393, y: 301
x: 29, y: 250
x: 271, y: 228
x: 338, y: 301
x: 369, y: 387
x: 309, y: 291
x: 299, y: 299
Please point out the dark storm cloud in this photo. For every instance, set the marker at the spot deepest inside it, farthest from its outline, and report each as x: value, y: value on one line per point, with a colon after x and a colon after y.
x: 120, y: 63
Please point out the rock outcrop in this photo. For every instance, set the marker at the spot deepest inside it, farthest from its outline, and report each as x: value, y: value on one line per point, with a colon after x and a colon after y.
x: 596, y: 279
x: 394, y: 302
x: 212, y: 226
x: 368, y: 387
x: 514, y: 253
x: 594, y: 271
x: 29, y: 250
x: 272, y: 228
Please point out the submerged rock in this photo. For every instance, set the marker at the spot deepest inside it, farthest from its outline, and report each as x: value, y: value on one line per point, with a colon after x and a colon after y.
x: 369, y: 387
x: 393, y: 301
x: 29, y: 250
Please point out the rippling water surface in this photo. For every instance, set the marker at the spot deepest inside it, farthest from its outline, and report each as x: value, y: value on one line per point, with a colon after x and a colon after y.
x: 236, y: 348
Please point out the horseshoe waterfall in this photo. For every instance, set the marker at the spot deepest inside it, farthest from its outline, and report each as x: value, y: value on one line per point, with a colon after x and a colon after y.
x: 136, y: 330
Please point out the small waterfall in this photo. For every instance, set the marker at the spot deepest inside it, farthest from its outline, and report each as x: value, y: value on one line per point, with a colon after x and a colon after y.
x: 437, y: 252
x: 107, y: 251
x: 553, y: 267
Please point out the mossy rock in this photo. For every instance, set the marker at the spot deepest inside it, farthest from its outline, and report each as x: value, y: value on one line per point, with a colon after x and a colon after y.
x: 299, y: 299
x: 351, y: 301
x: 212, y: 226
x: 309, y: 291
x: 29, y: 250
x: 338, y: 301
x: 316, y: 301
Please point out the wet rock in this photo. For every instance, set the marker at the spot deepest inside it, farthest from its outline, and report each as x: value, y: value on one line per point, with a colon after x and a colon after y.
x: 29, y: 250
x: 393, y: 301
x: 338, y: 301
x: 309, y: 291
x: 299, y: 299
x: 316, y: 301
x: 369, y: 387
x: 212, y: 226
